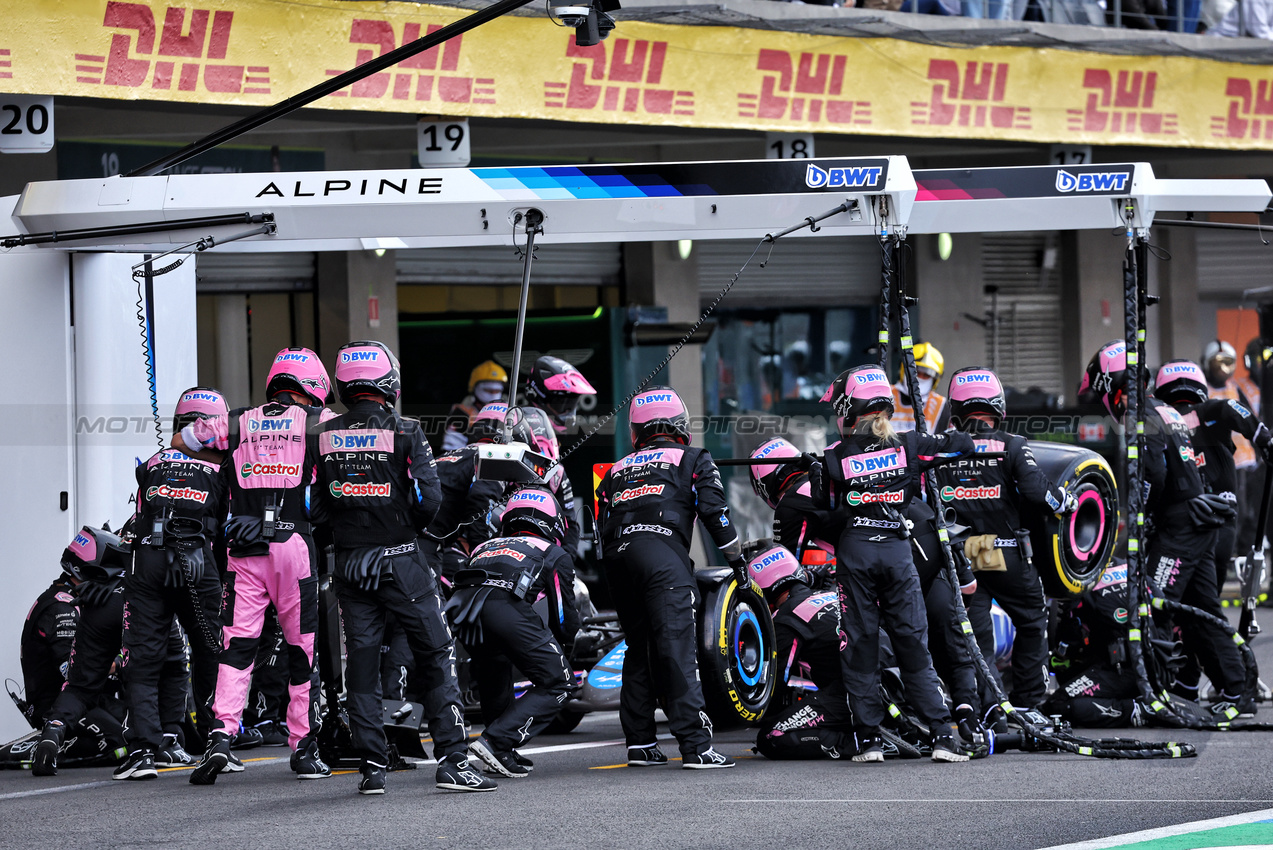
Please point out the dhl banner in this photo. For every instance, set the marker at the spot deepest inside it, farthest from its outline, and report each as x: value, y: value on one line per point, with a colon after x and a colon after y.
x: 259, y: 52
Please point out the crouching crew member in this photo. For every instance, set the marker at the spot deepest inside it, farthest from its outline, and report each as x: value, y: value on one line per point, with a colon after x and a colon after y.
x: 808, y: 532
x: 377, y: 489
x: 492, y: 614
x: 647, y: 504
x: 816, y: 724
x: 873, y: 472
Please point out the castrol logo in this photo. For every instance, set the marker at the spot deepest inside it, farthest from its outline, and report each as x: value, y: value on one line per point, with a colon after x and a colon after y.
x: 638, y: 492
x: 187, y: 493
x: 348, y: 488
x: 949, y: 493
x: 503, y: 552
x: 892, y: 497
x: 247, y: 470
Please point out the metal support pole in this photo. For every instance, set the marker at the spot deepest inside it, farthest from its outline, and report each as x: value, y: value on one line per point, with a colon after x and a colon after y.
x: 534, y: 222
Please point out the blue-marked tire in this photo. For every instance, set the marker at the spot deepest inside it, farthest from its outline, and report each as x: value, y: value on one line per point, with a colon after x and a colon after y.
x: 736, y: 651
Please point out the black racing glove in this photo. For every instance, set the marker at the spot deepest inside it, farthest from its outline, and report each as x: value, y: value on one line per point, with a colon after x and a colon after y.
x: 1210, y: 510
x: 744, y: 579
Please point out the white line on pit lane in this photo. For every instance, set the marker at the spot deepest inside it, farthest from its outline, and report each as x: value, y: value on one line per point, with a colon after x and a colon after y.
x: 35, y: 792
x: 1170, y: 831
x: 785, y: 801
x: 560, y: 748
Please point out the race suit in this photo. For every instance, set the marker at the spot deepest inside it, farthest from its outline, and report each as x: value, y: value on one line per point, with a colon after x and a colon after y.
x: 1180, y: 560
x: 47, y: 637
x: 816, y: 724
x: 377, y: 490
x: 181, y: 506
x: 1215, y: 424
x: 461, y: 523
x: 647, y: 504
x: 806, y: 531
x: 986, y: 490
x: 874, y: 481
x: 272, y: 556
x: 492, y: 614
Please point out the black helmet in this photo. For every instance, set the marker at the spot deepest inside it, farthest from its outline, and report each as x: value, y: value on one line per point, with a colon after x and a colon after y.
x: 367, y: 366
x: 658, y: 412
x: 96, y: 555
x: 1181, y: 382
x: 556, y: 387
x: 975, y: 389
x: 519, y: 427
x: 533, y: 510
x: 1256, y: 358
x: 858, y: 392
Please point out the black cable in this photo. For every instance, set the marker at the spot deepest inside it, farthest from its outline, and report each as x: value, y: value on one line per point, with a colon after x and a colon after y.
x: 147, y: 350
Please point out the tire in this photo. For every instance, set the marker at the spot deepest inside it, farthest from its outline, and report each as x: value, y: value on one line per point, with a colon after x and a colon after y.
x: 1072, y: 552
x: 737, y: 692
x: 565, y: 722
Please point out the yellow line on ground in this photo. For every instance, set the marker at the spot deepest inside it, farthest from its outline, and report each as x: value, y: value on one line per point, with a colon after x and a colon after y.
x: 625, y: 764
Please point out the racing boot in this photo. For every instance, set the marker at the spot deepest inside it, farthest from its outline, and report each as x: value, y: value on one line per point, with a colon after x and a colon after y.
x: 214, y: 760
x: 523, y: 761
x: 44, y: 762
x: 272, y: 734
x: 946, y: 745
x: 870, y: 747
x: 306, y: 762
x: 247, y: 739
x: 172, y: 754
x: 456, y: 773
x: 650, y: 756
x: 139, y: 764
x: 707, y: 760
x: 373, y: 778
x: 498, y: 761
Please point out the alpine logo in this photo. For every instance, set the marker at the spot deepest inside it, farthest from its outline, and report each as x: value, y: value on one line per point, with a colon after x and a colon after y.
x: 948, y: 493
x: 289, y: 469
x: 350, y: 489
x: 638, y: 492
x: 860, y: 177
x: 359, y: 356
x: 869, y: 464
x: 255, y: 425
x: 354, y: 441
x: 892, y: 497
x: 1110, y: 181
x: 187, y: 493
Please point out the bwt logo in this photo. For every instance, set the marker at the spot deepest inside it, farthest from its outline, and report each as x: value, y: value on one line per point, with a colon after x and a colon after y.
x: 646, y: 457
x: 862, y: 177
x: 1116, y: 351
x: 769, y: 449
x: 891, y: 460
x: 201, y: 397
x: 81, y: 540
x: 653, y: 398
x: 869, y: 378
x: 768, y: 561
x: 1179, y: 370
x: 255, y: 425
x: 292, y: 357
x: 525, y: 498
x: 803, y: 87
x: 981, y: 378
x: 354, y: 441
x: 359, y: 356
x: 1112, y: 181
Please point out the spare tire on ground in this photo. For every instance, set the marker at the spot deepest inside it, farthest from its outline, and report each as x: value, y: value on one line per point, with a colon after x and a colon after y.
x: 736, y: 650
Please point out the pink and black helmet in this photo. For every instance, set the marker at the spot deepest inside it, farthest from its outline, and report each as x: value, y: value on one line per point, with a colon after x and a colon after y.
x: 1106, y: 377
x: 976, y: 389
x: 1181, y: 382
x: 533, y: 510
x: 766, y: 479
x: 541, y: 428
x: 555, y: 386
x: 198, y: 403
x: 299, y: 370
x: 367, y: 366
x: 488, y: 424
x: 658, y: 412
x: 96, y: 554
x: 858, y: 392
x: 775, y: 570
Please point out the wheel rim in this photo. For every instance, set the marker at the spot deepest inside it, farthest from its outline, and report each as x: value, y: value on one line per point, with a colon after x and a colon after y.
x: 749, y: 652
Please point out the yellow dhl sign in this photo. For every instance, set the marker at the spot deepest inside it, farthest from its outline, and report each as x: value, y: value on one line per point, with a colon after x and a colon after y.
x: 259, y: 52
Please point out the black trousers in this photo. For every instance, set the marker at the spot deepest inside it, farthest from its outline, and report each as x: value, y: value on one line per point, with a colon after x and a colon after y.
x: 951, y: 658
x: 654, y: 593
x: 410, y: 594
x: 1181, y: 563
x: 1019, y: 593
x: 1226, y: 539
x: 148, y: 616
x: 513, y: 635
x: 817, y: 724
x: 878, y: 581
x: 1100, y: 696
